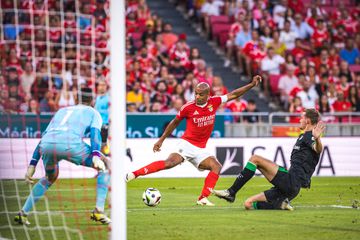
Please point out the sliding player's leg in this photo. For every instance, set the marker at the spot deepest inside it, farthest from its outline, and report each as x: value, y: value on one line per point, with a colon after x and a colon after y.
x: 277, y: 197
x: 265, y: 166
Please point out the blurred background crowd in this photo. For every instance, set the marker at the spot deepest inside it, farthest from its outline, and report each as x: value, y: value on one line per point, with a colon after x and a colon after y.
x: 307, y: 52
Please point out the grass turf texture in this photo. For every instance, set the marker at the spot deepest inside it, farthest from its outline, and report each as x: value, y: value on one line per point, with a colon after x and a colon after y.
x: 318, y: 213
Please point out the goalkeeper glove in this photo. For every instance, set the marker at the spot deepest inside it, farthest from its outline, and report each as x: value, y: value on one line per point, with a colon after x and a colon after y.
x: 29, y: 173
x: 97, y: 162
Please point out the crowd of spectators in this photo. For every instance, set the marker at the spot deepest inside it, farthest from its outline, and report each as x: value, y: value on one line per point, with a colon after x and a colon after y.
x: 50, y: 49
x: 307, y: 51
x: 161, y: 68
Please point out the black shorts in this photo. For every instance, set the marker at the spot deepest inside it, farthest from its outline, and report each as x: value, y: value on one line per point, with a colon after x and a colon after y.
x: 285, y: 186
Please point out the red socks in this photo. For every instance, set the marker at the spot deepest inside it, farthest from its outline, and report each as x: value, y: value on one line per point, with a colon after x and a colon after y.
x: 151, y: 168
x: 210, y: 182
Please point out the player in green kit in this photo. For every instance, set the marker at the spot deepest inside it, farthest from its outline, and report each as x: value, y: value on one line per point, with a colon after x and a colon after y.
x: 304, y: 158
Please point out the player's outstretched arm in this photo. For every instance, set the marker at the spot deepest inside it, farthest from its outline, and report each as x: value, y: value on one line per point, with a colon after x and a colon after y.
x: 32, y: 166
x: 316, y: 132
x: 168, y: 130
x: 240, y: 91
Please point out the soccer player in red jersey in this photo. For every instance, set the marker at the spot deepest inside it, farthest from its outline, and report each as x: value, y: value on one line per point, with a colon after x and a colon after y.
x: 200, y: 119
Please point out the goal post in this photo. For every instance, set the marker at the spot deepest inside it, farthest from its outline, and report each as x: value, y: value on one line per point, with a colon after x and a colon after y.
x: 118, y: 121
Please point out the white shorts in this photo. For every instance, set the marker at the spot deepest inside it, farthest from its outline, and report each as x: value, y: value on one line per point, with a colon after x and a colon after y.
x: 192, y: 153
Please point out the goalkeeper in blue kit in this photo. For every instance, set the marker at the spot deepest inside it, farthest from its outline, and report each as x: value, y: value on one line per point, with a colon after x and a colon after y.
x: 63, y: 140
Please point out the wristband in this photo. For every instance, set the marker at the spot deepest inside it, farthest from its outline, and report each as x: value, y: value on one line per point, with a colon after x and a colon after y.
x: 96, y: 153
x: 33, y: 162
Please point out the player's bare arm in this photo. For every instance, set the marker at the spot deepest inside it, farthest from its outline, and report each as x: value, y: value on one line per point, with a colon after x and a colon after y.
x: 168, y: 130
x: 240, y: 91
x: 317, y: 131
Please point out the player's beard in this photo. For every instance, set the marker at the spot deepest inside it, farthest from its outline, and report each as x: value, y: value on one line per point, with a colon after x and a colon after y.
x: 201, y: 103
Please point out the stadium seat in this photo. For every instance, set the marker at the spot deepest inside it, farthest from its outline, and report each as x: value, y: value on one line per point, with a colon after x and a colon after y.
x: 274, y: 83
x: 218, y: 28
x: 223, y: 37
x: 354, y: 119
x: 136, y: 36
x: 355, y: 68
x: 336, y: 3
x: 219, y: 19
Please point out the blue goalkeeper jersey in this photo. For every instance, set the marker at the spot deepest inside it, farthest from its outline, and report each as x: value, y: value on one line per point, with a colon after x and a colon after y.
x: 102, y: 106
x: 71, y: 124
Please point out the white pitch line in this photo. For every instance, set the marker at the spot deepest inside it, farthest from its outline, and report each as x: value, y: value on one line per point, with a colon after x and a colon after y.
x: 326, y: 206
x: 194, y: 208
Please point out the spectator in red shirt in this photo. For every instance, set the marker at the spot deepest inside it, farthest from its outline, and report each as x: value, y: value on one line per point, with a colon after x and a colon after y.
x: 343, y: 85
x: 341, y: 104
x: 339, y: 37
x: 297, y: 6
x: 218, y: 87
x: 169, y: 38
x: 334, y: 58
x: 320, y: 36
x: 131, y: 23
x: 237, y: 106
x: 295, y: 107
x: 323, y: 59
x: 300, y: 50
x: 144, y: 59
x: 171, y: 83
x: 200, y: 71
x: 161, y: 95
x: 248, y: 51
x: 230, y: 43
x: 193, y: 58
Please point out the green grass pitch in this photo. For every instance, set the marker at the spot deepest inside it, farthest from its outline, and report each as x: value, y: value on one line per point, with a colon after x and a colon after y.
x: 326, y: 211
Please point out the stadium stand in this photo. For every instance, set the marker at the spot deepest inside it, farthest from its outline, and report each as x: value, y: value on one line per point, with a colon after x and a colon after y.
x: 321, y: 34
x: 49, y: 50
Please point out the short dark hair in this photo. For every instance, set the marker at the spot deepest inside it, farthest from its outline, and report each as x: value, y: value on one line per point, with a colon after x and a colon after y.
x: 86, y: 95
x: 313, y: 115
x: 251, y: 101
x: 325, y: 75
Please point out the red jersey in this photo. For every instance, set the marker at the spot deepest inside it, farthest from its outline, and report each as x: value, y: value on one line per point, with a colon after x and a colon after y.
x: 199, y: 121
x: 342, y: 106
x: 319, y: 36
x: 234, y: 29
x: 295, y: 119
x: 237, y: 106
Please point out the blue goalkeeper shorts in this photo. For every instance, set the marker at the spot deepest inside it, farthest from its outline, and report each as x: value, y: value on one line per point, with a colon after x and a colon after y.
x: 53, y: 153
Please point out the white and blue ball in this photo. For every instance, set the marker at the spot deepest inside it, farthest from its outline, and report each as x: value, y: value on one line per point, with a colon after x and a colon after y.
x: 151, y: 197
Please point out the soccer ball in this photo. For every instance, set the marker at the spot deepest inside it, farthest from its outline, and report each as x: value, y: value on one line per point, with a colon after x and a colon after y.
x: 151, y: 197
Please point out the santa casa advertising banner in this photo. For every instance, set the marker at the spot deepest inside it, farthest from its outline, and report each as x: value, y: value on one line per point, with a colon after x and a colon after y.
x: 340, y: 156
